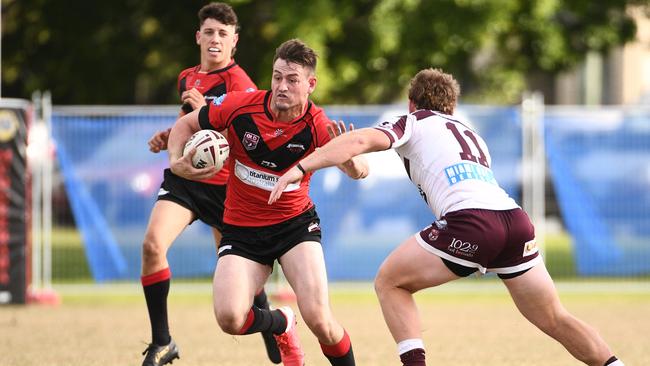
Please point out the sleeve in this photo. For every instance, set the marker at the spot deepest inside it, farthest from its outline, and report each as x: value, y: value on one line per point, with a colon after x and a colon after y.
x: 242, y: 82
x: 182, y: 87
x: 321, y: 136
x: 214, y: 115
x: 180, y: 84
x: 398, y: 129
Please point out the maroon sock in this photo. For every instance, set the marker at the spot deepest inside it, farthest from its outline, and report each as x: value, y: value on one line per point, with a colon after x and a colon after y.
x: 339, y: 354
x: 156, y: 289
x: 414, y: 357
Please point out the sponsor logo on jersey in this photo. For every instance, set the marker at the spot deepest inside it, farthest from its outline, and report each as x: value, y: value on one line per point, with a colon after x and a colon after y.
x: 250, y: 90
x: 296, y: 148
x: 276, y: 133
x: 463, y: 248
x: 314, y: 226
x: 250, y: 141
x: 530, y: 248
x: 162, y: 192
x: 268, y: 164
x: 433, y: 234
x: 219, y: 100
x: 257, y: 178
x: 464, y: 171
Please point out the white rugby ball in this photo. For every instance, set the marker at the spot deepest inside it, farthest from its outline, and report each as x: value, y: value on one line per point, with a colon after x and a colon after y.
x: 211, y: 149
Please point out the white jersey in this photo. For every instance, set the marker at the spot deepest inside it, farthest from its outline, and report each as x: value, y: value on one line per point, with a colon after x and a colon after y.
x: 448, y: 162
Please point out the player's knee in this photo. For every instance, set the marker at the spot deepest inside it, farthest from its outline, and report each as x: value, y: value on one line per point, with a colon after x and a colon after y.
x: 550, y: 324
x: 383, y: 282
x: 321, y: 327
x: 152, y: 248
x: 229, y: 321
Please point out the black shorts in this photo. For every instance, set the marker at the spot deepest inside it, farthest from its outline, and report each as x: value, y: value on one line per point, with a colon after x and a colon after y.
x: 265, y: 244
x: 205, y: 200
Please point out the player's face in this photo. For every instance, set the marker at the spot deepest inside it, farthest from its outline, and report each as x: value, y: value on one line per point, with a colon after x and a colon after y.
x: 216, y: 41
x: 291, y: 86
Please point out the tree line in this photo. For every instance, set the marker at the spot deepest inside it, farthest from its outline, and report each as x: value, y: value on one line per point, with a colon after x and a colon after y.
x: 131, y: 51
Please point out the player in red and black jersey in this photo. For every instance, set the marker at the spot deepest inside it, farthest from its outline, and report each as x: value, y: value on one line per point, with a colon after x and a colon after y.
x: 268, y: 133
x: 181, y: 201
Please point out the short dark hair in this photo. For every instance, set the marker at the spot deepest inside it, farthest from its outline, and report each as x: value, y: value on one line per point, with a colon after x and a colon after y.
x: 221, y: 12
x: 297, y: 52
x: 433, y: 89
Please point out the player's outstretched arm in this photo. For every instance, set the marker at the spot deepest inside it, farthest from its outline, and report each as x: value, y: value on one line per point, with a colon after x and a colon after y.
x: 336, y: 152
x: 293, y: 175
x: 357, y: 167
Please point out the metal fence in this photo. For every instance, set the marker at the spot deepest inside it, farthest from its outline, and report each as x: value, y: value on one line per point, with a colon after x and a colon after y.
x: 598, y: 160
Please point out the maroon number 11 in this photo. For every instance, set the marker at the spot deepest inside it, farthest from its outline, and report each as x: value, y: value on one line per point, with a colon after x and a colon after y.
x: 466, y: 153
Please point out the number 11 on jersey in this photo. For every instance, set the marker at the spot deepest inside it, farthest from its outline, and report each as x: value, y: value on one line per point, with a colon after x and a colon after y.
x: 466, y: 153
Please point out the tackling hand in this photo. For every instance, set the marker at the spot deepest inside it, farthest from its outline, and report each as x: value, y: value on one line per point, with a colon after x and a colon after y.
x: 293, y: 175
x: 158, y: 141
x: 337, y: 128
x: 183, y: 168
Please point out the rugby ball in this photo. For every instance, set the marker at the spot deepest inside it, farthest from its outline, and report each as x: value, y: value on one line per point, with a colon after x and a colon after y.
x: 211, y: 149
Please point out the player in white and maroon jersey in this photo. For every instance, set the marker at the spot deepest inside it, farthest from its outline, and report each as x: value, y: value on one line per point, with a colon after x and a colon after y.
x: 449, y: 179
x: 268, y: 132
x: 479, y: 228
x: 181, y: 201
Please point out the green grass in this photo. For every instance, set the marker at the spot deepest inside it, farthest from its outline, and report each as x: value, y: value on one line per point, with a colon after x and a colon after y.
x: 70, y: 265
x: 68, y: 257
x: 558, y: 254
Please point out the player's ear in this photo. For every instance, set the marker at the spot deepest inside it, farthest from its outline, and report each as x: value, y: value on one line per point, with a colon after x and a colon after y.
x: 312, y: 83
x: 198, y: 37
x: 412, y: 106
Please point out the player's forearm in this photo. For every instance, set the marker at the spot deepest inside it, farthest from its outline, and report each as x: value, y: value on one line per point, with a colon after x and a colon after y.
x: 336, y: 152
x: 180, y: 132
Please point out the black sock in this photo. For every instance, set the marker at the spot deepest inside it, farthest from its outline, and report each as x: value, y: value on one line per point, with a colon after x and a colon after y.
x: 156, y: 296
x: 414, y: 357
x: 345, y: 360
x: 266, y: 321
x: 261, y: 300
x: 339, y: 354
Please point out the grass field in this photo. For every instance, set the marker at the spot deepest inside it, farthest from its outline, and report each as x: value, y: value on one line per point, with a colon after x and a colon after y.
x: 472, y: 322
x: 69, y: 261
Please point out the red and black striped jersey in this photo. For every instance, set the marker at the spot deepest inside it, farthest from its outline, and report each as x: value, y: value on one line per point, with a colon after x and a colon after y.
x: 212, y: 85
x: 261, y: 150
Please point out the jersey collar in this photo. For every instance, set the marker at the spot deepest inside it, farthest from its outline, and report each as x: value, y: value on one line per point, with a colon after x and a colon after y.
x: 217, y: 71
